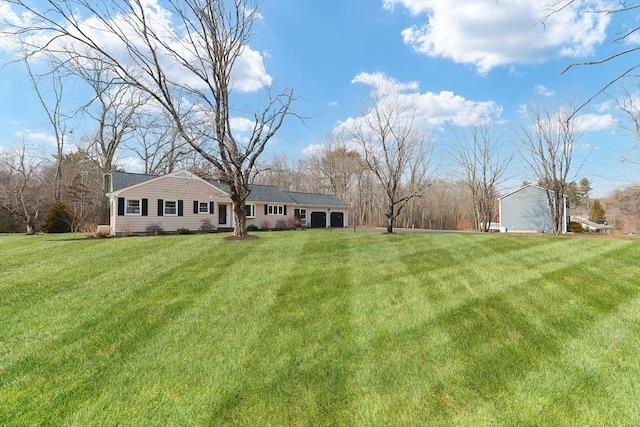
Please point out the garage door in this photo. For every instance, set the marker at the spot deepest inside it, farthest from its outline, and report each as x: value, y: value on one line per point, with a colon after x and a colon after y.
x: 337, y: 219
x: 318, y: 219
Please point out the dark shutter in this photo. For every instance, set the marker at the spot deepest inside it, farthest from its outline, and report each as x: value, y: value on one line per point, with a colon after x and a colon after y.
x: 265, y: 209
x: 180, y: 208
x: 120, y: 206
x: 211, y: 207
x: 160, y: 207
x: 145, y: 206
x: 285, y: 209
x: 195, y: 207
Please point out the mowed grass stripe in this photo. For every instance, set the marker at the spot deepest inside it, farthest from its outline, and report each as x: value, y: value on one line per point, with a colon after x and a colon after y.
x: 335, y: 328
x: 491, y: 338
x: 89, y: 283
x: 595, y: 377
x: 191, y: 361
x: 114, y: 324
x: 299, y: 365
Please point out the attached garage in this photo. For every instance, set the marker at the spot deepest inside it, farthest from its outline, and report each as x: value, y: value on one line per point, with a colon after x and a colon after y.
x: 318, y: 219
x: 337, y: 220
x: 320, y: 210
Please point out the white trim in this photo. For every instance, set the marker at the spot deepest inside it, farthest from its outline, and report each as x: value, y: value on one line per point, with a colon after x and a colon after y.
x: 164, y: 208
x: 303, y: 220
x: 275, y: 210
x: 126, y: 207
x: 252, y: 209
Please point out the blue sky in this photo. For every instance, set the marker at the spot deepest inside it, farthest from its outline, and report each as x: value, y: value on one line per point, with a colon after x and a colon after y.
x: 452, y: 60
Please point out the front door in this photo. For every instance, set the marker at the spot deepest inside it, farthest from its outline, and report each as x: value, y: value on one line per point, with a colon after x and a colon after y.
x: 222, y: 214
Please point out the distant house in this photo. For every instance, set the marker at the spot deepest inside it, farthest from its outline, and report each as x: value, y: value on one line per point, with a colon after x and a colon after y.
x: 183, y: 200
x: 527, y: 210
x: 591, y: 226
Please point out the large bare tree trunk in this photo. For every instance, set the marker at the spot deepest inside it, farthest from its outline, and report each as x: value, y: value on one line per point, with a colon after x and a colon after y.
x: 184, y: 64
x: 393, y: 151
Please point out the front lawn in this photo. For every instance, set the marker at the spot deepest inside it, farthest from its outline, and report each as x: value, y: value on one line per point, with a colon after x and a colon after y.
x: 319, y: 327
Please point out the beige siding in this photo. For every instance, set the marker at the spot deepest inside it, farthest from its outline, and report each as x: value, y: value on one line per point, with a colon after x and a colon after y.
x: 270, y: 221
x: 170, y: 188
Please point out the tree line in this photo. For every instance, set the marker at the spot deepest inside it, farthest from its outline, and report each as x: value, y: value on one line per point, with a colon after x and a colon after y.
x: 170, y: 98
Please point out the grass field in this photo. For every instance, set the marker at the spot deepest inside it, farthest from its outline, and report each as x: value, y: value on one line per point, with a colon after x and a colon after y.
x: 319, y: 328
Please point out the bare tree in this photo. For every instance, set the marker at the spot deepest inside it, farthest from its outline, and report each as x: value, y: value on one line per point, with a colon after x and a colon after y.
x: 56, y: 117
x: 623, y: 208
x: 624, y: 37
x: 156, y: 142
x: 337, y: 167
x: 20, y: 192
x: 82, y: 189
x: 393, y: 151
x: 548, y: 143
x: 483, y: 159
x: 113, y: 107
x: 186, y: 66
x: 280, y: 172
x: 629, y: 104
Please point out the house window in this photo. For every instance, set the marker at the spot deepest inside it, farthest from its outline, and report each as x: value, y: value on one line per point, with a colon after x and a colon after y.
x: 132, y: 207
x: 203, y: 207
x: 275, y: 210
x: 170, y: 207
x: 302, y: 214
x: 250, y: 210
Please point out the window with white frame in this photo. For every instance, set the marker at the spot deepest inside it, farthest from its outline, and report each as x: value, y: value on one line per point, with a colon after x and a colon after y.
x: 300, y: 214
x: 132, y: 207
x: 170, y: 207
x: 275, y: 210
x: 203, y: 207
x: 303, y: 216
x: 250, y: 210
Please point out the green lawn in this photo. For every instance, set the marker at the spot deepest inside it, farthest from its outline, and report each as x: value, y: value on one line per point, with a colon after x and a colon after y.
x: 319, y: 327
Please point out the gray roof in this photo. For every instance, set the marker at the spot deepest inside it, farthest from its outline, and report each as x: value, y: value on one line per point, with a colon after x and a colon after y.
x: 259, y: 193
x: 312, y: 199
x: 120, y: 180
x: 590, y: 224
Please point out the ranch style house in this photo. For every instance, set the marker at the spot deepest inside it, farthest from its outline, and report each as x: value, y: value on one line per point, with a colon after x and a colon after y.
x: 183, y: 200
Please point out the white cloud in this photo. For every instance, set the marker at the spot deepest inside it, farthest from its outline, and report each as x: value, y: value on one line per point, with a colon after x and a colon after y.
x: 382, y: 84
x: 130, y: 164
x: 605, y: 106
x: 595, y: 122
x: 544, y: 91
x: 30, y: 136
x: 588, y: 122
x: 248, y: 75
x: 313, y: 149
x: 431, y: 110
x: 488, y: 34
x: 13, y: 19
x: 240, y: 124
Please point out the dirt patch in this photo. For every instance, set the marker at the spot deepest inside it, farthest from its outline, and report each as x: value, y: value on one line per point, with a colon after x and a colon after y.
x: 240, y: 238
